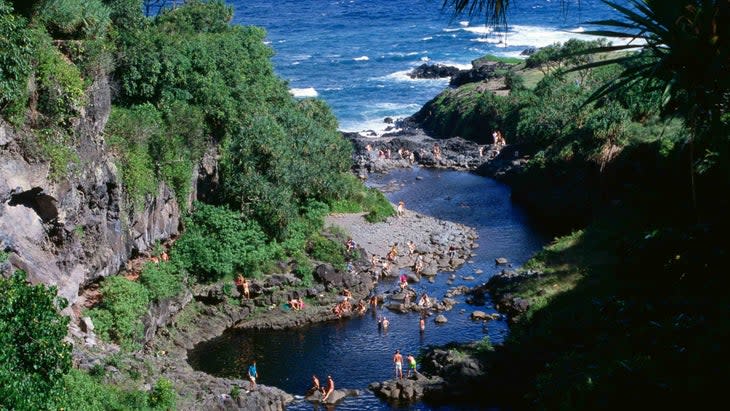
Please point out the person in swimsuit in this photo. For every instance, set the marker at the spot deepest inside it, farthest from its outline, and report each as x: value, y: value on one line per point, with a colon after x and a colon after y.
x: 411, y: 364
x: 330, y: 388
x: 398, y: 360
x: 315, y: 385
x: 422, y: 325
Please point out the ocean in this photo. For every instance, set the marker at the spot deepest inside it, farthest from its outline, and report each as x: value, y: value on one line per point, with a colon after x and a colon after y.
x: 356, y: 54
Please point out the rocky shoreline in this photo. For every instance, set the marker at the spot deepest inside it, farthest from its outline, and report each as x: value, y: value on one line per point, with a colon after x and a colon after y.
x: 176, y: 325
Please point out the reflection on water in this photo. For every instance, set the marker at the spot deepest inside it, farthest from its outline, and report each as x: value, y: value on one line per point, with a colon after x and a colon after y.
x: 356, y: 352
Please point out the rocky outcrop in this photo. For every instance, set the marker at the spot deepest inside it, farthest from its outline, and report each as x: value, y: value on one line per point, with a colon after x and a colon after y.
x: 408, y: 390
x: 72, y: 229
x: 480, y: 71
x: 411, y: 146
x: 433, y: 71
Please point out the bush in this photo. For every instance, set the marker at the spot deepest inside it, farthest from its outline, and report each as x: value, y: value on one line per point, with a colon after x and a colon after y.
x: 16, y: 43
x: 117, y: 319
x: 324, y: 249
x: 163, y: 395
x: 162, y: 280
x: 217, y: 242
x: 33, y: 354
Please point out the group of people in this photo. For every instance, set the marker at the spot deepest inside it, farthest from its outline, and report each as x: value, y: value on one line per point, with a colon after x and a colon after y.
x: 498, y: 139
x: 326, y: 391
x: 398, y: 361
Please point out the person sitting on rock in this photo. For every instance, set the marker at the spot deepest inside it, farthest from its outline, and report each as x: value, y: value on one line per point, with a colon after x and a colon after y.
x: 401, y: 209
x: 347, y: 294
x: 337, y: 310
x: 326, y: 392
x: 424, y: 301
x: 361, y: 307
x: 350, y: 244
x: 403, y: 281
x: 418, y: 265
x: 315, y: 385
x: 393, y: 253
x: 374, y: 261
x: 411, y: 247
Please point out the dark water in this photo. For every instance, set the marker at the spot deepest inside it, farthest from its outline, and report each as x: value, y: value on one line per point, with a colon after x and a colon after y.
x: 353, y: 351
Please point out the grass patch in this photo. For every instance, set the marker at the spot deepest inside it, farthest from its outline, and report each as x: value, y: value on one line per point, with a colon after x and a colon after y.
x: 498, y: 59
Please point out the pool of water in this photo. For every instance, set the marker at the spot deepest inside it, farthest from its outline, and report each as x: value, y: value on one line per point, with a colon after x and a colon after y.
x: 355, y: 352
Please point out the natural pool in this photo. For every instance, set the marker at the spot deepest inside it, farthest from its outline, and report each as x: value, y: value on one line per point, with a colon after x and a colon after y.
x: 354, y: 351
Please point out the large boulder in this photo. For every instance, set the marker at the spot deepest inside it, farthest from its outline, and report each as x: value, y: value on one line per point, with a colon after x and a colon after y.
x: 433, y: 71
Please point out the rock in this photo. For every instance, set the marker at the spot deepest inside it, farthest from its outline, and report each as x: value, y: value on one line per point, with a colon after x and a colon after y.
x: 480, y: 315
x: 478, y: 271
x: 388, y: 120
x: 86, y: 324
x: 334, y: 398
x: 440, y: 319
x: 433, y: 71
x: 469, y: 278
x: 501, y: 261
x: 529, y: 51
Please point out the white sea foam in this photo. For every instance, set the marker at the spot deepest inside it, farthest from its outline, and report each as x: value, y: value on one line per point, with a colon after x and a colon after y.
x: 538, y: 36
x: 303, y: 92
x: 464, y: 23
x: 425, y: 58
x: 362, y: 58
x: 490, y: 40
x: 450, y: 29
x: 460, y: 66
x: 427, y: 38
x: 479, y: 29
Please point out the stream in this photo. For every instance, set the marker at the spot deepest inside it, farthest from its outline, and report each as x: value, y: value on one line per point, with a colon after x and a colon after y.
x: 355, y: 352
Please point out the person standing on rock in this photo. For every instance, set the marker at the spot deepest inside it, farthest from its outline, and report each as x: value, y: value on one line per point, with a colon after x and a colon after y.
x: 398, y: 360
x: 252, y: 375
x: 411, y: 364
x: 401, y: 210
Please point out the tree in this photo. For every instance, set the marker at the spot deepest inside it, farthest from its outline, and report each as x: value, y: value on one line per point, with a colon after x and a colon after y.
x: 33, y: 354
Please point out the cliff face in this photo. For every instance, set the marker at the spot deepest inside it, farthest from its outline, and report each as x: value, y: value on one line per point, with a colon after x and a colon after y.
x: 72, y: 231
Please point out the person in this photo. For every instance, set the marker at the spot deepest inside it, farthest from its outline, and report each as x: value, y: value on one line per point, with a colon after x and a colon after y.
x: 398, y: 360
x: 361, y: 307
x: 481, y: 151
x: 403, y: 281
x: 383, y: 322
x: 411, y: 364
x: 295, y: 303
x: 330, y: 388
x: 495, y: 138
x: 422, y: 325
x: 407, y: 299
x: 374, y: 261
x: 386, y: 267
x: 411, y: 247
x: 252, y: 375
x: 374, y: 301
x: 393, y: 253
x: 350, y: 244
x: 437, y: 151
x: 424, y: 300
x: 418, y: 265
x: 239, y: 282
x: 368, y: 147
x: 315, y: 385
x: 346, y: 293
x: 401, y: 210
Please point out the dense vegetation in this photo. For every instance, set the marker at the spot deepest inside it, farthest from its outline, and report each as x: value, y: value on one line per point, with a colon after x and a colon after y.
x: 630, y: 148
x: 184, y: 82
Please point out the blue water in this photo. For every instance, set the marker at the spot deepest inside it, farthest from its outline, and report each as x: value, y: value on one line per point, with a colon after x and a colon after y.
x: 354, y: 351
x: 355, y: 54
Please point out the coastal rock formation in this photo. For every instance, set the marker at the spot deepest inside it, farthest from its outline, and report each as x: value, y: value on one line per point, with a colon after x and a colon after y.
x: 433, y: 71
x: 409, y: 389
x: 480, y: 71
x: 70, y: 229
x: 411, y: 146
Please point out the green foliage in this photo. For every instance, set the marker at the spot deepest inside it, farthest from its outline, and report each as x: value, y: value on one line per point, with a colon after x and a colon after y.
x: 3, y: 256
x: 74, y: 18
x: 15, y: 62
x: 56, y: 148
x: 84, y: 392
x: 218, y: 242
x: 235, y: 392
x: 499, y: 59
x: 325, y: 249
x: 123, y: 304
x: 162, y: 280
x: 33, y: 354
x: 163, y: 395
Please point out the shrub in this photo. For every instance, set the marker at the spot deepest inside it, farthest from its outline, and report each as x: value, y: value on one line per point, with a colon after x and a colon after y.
x: 162, y: 280
x: 218, y: 242
x: 16, y: 43
x: 123, y: 304
x: 324, y: 249
x: 33, y: 354
x: 163, y: 395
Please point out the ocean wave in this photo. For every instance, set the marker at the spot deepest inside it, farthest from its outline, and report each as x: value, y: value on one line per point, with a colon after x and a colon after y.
x: 464, y: 23
x: 451, y: 29
x: 361, y: 58
x: 303, y: 92
x: 402, y: 76
x: 490, y: 40
x: 427, y: 38
x: 479, y: 29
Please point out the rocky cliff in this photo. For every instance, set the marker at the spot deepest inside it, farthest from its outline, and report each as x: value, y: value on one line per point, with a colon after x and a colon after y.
x: 72, y: 230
